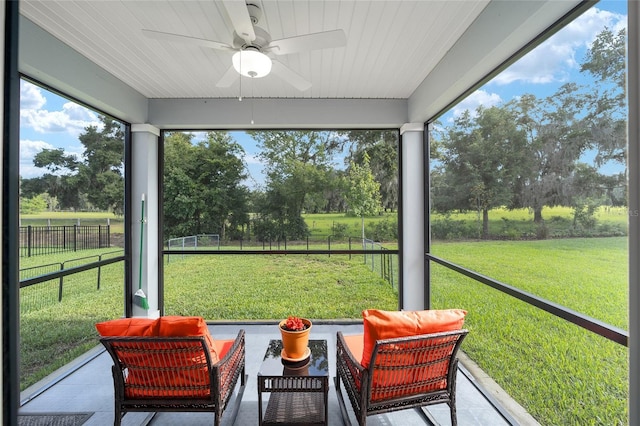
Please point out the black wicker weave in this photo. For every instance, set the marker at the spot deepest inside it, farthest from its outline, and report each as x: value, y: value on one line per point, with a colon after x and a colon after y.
x: 407, y: 372
x: 174, y: 374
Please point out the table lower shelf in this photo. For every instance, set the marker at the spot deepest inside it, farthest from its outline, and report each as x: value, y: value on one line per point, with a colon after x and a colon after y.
x: 295, y: 408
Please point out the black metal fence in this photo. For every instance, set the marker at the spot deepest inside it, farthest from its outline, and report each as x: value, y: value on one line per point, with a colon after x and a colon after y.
x: 37, y: 240
x: 36, y: 293
x: 381, y: 260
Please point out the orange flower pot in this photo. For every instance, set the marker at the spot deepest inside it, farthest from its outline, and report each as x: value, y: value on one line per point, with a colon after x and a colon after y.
x: 295, y: 343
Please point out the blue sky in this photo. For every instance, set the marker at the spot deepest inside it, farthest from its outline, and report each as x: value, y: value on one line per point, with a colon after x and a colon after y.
x: 50, y: 121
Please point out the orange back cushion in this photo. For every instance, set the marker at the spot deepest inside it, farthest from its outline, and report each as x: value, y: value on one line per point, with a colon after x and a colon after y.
x: 178, y: 326
x: 168, y: 326
x: 128, y: 327
x: 379, y: 325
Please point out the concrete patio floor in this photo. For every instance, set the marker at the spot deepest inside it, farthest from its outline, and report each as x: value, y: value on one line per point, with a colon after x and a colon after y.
x: 86, y: 386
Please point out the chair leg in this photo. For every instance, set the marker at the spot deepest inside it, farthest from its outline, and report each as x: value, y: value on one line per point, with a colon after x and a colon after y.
x: 343, y: 408
x: 454, y: 415
x: 118, y: 418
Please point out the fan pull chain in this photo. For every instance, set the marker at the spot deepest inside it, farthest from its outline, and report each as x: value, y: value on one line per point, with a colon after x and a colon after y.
x: 240, y: 97
x: 253, y: 100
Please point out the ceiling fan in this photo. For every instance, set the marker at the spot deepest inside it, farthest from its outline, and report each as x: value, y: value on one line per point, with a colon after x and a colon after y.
x: 254, y: 49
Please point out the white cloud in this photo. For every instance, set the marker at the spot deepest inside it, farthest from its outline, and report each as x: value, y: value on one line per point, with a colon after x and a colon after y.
x: 72, y: 118
x: 477, y: 98
x: 31, y: 96
x: 555, y: 58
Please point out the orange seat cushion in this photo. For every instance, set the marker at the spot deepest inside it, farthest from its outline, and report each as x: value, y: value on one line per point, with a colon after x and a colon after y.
x: 222, y: 346
x: 379, y: 325
x: 355, y: 344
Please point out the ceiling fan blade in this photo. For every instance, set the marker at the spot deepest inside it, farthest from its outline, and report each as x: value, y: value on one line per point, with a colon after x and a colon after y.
x: 237, y: 10
x: 303, y: 43
x: 290, y: 76
x: 228, y: 78
x: 159, y: 35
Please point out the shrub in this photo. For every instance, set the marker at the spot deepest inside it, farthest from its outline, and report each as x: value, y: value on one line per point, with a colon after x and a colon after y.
x: 447, y: 229
x: 340, y: 230
x: 385, y: 230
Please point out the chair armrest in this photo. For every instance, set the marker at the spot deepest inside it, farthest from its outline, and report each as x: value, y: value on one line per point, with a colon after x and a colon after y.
x: 230, y: 367
x: 354, y: 371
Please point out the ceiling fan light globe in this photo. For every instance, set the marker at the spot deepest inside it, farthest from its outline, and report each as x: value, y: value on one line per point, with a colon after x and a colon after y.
x: 251, y: 63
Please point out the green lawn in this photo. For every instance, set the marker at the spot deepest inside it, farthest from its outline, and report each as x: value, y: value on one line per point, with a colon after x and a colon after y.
x: 321, y: 224
x: 273, y: 287
x: 53, y: 333
x: 562, y: 374
x: 72, y: 218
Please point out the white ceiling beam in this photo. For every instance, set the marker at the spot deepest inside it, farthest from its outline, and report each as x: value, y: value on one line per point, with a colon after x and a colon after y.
x: 196, y: 114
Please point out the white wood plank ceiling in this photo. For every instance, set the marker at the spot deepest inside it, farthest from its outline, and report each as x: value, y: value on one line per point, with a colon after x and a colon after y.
x: 391, y: 45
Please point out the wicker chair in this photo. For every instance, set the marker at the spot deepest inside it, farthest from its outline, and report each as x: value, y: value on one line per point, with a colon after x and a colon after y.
x: 405, y: 372
x: 152, y: 374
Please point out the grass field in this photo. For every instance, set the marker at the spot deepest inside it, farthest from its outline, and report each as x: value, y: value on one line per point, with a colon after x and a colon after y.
x: 273, y: 287
x: 518, y: 224
x: 54, y: 333
x: 321, y: 224
x: 72, y: 218
x: 562, y: 374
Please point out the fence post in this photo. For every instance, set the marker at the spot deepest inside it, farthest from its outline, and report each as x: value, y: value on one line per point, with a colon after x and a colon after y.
x: 373, y: 258
x: 391, y: 277
x: 99, y: 271
x: 329, y: 244
x: 60, y: 285
x: 75, y: 237
x: 29, y: 236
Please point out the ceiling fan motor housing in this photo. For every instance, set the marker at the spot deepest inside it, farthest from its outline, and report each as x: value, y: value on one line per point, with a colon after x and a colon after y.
x: 262, y: 40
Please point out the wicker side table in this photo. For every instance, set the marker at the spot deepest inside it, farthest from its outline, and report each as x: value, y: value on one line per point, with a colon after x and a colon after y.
x: 298, y: 393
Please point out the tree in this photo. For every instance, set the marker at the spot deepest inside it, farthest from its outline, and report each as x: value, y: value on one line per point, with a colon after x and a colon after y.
x: 63, y: 189
x: 203, y: 191
x: 362, y: 191
x: 606, y: 61
x: 297, y: 165
x: 32, y: 205
x: 381, y: 146
x: 97, y: 179
x: 556, y: 139
x: 480, y: 159
x: 103, y: 168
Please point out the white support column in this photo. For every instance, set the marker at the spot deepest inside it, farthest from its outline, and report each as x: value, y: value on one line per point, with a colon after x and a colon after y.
x: 144, y: 171
x: 633, y: 159
x: 413, y: 216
